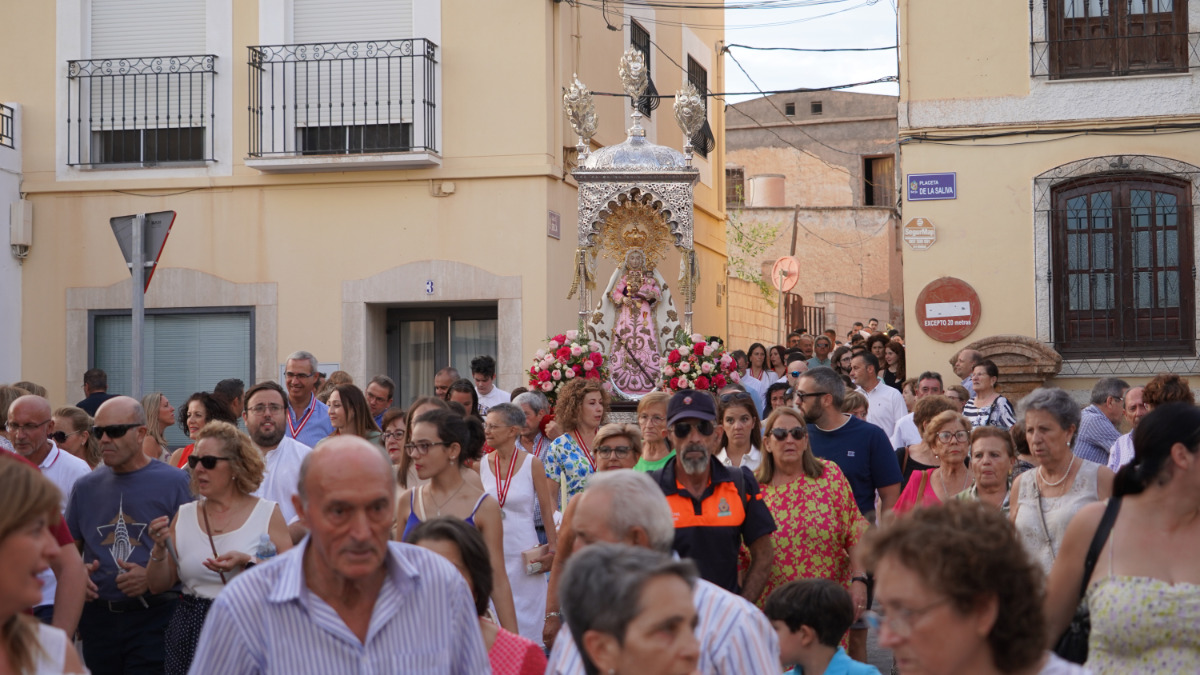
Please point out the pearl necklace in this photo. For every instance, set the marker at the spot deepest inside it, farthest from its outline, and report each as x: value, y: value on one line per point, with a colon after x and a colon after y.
x: 1045, y: 480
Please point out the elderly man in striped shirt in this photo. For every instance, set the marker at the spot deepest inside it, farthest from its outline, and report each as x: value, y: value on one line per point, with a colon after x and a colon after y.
x: 345, y: 599
x: 626, y: 507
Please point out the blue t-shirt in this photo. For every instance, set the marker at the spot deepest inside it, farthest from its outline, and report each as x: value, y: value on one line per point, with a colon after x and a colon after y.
x: 110, y: 512
x: 841, y: 664
x: 864, y: 454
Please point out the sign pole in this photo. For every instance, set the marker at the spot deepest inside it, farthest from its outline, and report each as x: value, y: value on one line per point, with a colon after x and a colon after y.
x: 139, y: 303
x: 782, y: 276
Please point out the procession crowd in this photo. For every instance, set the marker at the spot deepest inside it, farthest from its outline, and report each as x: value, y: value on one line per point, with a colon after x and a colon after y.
x: 763, y: 527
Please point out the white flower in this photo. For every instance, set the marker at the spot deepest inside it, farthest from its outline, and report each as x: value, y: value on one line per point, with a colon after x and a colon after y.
x: 571, y: 335
x: 685, y: 367
x: 552, y: 345
x: 539, y: 355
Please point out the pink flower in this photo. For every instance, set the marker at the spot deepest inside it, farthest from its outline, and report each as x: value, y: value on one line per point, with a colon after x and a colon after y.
x: 541, y: 353
x: 706, y: 367
x: 588, y: 365
x: 683, y: 383
x: 708, y: 350
x: 571, y: 335
x: 576, y: 350
x: 685, y: 367
x: 569, y: 373
x: 734, y: 376
x: 594, y: 346
x: 697, y: 338
x: 668, y: 371
x: 552, y: 345
x: 547, y: 386
x: 557, y: 375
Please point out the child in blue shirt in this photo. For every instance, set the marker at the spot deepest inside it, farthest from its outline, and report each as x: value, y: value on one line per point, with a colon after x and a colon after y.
x: 811, y: 616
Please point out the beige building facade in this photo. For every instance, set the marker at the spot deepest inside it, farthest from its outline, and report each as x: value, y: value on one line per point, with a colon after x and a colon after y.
x: 384, y: 184
x: 1075, y: 161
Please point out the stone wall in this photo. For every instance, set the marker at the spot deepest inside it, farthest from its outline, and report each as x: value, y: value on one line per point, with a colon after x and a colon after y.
x: 751, y: 319
x: 842, y: 310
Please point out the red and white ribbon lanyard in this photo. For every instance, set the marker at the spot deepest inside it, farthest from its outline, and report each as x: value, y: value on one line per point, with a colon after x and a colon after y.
x: 586, y: 453
x: 537, y: 450
x: 295, y: 430
x: 503, y: 484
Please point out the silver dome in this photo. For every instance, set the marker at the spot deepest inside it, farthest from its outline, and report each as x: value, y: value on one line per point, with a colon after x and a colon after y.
x: 635, y: 154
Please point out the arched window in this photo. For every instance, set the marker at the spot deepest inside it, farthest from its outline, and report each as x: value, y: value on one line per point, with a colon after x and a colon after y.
x: 1102, y: 38
x: 1121, y: 265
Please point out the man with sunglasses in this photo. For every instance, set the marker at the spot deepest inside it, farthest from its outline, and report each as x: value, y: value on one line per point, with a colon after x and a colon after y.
x: 29, y: 426
x: 109, y: 512
x: 265, y: 416
x: 716, y: 508
x: 822, y: 347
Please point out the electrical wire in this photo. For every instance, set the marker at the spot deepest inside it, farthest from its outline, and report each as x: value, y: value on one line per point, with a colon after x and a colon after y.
x: 805, y: 49
x: 1055, y: 135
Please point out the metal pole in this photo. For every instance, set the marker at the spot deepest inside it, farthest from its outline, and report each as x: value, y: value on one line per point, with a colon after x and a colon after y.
x: 139, y: 302
x: 782, y: 276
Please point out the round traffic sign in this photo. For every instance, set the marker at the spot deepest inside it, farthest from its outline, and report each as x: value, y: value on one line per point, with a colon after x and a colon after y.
x: 785, y: 273
x: 948, y: 309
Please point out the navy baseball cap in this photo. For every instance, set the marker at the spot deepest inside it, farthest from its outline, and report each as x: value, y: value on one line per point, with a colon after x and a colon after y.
x: 689, y: 403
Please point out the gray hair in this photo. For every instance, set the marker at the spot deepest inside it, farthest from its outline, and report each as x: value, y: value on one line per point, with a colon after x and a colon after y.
x: 1054, y: 401
x: 602, y: 588
x: 636, y: 502
x: 512, y: 414
x: 1108, y: 387
x: 303, y: 356
x: 536, y: 401
x: 829, y: 381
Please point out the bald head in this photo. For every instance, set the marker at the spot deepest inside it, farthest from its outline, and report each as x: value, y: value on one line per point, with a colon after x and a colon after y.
x: 344, y: 457
x: 30, y: 424
x: 30, y: 404
x: 120, y: 410
x: 966, y: 361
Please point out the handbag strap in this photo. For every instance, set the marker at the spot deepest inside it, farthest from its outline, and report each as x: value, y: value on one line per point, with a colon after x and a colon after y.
x: 1101, y: 536
x: 921, y: 486
x: 208, y: 531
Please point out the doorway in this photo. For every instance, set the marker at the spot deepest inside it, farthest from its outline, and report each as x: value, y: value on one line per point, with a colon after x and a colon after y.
x: 422, y: 341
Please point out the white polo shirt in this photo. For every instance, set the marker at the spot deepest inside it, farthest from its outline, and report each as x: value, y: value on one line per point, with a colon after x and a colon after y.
x: 886, y: 407
x: 281, y: 477
x: 63, y: 469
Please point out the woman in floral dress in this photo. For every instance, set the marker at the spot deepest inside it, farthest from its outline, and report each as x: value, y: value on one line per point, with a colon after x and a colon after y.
x: 818, y: 523
x: 582, y: 408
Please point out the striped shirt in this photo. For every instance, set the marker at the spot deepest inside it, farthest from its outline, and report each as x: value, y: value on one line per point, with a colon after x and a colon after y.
x: 268, y: 621
x: 735, y: 638
x: 1096, y: 435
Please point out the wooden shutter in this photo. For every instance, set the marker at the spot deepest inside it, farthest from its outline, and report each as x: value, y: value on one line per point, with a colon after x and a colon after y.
x: 353, y: 85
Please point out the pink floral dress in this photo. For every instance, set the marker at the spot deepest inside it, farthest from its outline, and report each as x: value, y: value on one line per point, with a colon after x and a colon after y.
x: 635, y: 356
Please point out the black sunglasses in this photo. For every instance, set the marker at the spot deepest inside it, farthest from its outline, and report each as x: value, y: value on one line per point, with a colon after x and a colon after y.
x: 684, y: 429
x: 796, y: 432
x: 209, y: 462
x: 802, y: 395
x: 735, y: 396
x: 61, y: 437
x: 114, y: 431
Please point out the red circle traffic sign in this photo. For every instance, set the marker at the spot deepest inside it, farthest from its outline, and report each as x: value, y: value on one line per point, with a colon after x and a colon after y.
x: 948, y: 309
x: 785, y: 273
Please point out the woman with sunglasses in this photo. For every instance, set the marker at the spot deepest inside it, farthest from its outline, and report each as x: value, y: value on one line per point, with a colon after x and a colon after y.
x: 617, y: 447
x: 818, y: 523
x: 160, y: 415
x: 212, y: 540
x: 742, y: 429
x: 200, y: 409
x: 949, y: 436
x: 73, y: 433
x: 436, y: 441
x: 957, y: 594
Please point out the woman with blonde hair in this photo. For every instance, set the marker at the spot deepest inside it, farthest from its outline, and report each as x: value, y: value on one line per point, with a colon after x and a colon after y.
x: 73, y: 433
x: 819, y: 523
x: 29, y: 503
x: 160, y: 414
x: 652, y: 423
x: 582, y: 408
x: 212, y: 540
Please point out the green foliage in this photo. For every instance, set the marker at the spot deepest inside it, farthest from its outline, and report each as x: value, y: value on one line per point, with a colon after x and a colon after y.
x: 746, y: 244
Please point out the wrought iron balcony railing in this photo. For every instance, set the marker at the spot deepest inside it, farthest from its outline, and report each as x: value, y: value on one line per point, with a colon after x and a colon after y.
x: 6, y: 126
x: 145, y: 111
x: 343, y: 98
x: 1115, y: 56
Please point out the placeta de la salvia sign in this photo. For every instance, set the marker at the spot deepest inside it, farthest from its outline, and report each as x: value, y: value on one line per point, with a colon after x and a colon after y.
x: 924, y: 187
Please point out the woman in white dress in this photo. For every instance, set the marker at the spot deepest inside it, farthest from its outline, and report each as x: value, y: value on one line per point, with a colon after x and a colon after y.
x: 28, y: 505
x: 513, y: 477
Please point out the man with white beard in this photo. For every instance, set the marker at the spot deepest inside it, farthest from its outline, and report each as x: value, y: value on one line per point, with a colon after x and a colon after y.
x: 715, y: 508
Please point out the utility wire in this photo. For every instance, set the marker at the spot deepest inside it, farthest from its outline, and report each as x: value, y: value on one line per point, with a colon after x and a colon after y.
x: 802, y: 49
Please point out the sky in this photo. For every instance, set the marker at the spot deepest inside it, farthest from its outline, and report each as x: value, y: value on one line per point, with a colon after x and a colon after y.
x: 835, y: 24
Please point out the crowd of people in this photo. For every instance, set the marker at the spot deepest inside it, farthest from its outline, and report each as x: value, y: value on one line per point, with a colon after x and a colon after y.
x: 767, y: 527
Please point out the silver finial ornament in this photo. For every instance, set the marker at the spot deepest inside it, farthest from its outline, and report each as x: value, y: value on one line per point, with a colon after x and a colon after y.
x: 581, y: 111
x: 634, y: 79
x: 689, y: 115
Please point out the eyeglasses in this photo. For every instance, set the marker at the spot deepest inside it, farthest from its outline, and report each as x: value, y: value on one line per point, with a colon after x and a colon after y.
x: 948, y: 436
x: 900, y: 621
x: 298, y: 376
x: 796, y: 433
x: 114, y: 431
x: 27, y: 428
x: 62, y: 436
x: 273, y: 408
x: 803, y: 395
x: 419, y: 449
x: 656, y: 419
x: 684, y: 429
x: 393, y: 435
x: 208, y: 462
x: 618, y: 451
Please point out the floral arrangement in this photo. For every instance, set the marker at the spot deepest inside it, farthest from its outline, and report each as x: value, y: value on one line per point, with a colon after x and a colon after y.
x: 697, y: 364
x: 566, y: 357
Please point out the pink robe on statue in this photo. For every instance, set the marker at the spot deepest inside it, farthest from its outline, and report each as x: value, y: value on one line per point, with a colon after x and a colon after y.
x: 635, y: 333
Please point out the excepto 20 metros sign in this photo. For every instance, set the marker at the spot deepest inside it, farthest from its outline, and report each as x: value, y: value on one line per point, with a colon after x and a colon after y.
x: 948, y: 309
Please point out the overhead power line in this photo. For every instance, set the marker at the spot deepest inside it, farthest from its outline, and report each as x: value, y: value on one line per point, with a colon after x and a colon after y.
x: 803, y: 49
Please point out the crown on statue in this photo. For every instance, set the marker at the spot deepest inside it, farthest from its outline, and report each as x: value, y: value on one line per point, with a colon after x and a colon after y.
x: 634, y: 238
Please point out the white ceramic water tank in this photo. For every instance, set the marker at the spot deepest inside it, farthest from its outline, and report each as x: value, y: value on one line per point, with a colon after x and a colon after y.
x: 766, y: 189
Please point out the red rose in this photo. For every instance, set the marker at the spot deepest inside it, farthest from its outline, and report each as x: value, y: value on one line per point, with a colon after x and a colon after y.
x: 543, y: 376
x: 718, y: 380
x: 563, y: 353
x: 674, y: 356
x: 698, y: 349
x: 674, y: 383
x: 578, y: 369
x: 702, y: 382
x: 592, y: 374
x: 597, y: 358
x: 560, y: 339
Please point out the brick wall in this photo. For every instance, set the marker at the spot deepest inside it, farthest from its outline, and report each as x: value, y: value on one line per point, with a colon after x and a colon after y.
x: 751, y: 319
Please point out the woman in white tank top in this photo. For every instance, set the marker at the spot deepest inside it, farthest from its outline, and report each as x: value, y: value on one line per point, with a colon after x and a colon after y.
x: 211, y: 540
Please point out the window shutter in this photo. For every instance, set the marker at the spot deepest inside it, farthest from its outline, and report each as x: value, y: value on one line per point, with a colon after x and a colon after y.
x: 353, y: 85
x: 144, y: 30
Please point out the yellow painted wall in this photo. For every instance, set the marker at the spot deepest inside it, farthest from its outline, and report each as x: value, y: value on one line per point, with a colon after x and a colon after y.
x: 960, y: 49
